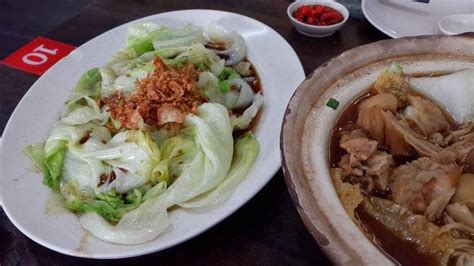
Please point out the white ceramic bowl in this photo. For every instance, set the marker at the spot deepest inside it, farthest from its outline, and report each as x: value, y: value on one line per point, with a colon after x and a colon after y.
x: 317, y: 31
x: 25, y: 197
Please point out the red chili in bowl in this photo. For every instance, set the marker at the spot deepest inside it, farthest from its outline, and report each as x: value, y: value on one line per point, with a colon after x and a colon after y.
x: 318, y: 15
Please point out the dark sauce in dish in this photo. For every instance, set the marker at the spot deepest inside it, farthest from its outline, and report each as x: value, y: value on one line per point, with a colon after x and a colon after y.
x: 347, y: 118
x: 399, y: 250
x: 256, y: 86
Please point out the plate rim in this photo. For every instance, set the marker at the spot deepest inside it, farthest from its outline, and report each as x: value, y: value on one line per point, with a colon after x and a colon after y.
x: 378, y: 25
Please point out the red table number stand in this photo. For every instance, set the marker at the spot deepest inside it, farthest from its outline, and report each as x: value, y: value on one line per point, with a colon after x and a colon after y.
x: 38, y: 56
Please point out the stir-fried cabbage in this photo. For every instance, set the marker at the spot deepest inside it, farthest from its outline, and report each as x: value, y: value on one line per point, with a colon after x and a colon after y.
x: 122, y: 181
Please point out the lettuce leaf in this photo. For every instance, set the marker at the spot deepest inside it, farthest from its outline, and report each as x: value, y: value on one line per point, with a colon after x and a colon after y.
x: 147, y: 37
x: 89, y: 85
x: 245, y: 152
x: 219, y: 91
x: 140, y: 37
x: 126, y: 82
x: 226, y: 77
x: 55, y: 150
x: 126, y: 161
x: 36, y: 153
x: 228, y: 73
x: 198, y: 54
x: 89, y: 112
x: 112, y: 206
x: 179, y: 37
x: 243, y: 121
x: 178, y: 152
x: 236, y: 49
x: 213, y: 137
x: 167, y: 53
x: 243, y: 68
x: 53, y: 165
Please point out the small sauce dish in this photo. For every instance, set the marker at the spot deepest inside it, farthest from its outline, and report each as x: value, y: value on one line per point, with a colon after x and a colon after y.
x: 315, y: 30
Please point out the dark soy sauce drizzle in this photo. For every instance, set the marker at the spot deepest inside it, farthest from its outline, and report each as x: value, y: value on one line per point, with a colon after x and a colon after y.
x: 256, y: 86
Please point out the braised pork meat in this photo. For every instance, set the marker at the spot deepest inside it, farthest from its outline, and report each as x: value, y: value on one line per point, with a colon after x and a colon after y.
x: 413, y: 167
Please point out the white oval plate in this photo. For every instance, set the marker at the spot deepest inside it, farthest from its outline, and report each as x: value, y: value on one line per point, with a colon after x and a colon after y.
x: 403, y: 18
x: 25, y: 197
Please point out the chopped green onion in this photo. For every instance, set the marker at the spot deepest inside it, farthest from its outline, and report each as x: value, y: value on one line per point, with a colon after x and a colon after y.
x: 201, y: 66
x: 333, y: 103
x: 228, y: 73
x: 224, y: 86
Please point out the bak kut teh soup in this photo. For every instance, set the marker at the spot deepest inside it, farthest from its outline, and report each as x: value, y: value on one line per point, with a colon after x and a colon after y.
x: 403, y: 170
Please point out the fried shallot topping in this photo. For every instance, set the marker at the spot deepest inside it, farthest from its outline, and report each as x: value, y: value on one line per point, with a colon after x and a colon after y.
x: 161, y: 99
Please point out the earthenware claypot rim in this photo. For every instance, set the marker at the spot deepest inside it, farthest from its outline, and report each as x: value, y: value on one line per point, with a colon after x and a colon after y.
x: 338, y: 248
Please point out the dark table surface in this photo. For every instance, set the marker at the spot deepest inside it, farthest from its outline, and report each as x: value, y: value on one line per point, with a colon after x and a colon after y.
x: 268, y: 229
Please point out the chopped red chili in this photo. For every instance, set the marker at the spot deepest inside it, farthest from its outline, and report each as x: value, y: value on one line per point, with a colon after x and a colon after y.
x: 317, y: 15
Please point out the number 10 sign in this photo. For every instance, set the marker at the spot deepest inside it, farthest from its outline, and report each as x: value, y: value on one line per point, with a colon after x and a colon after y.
x: 38, y: 55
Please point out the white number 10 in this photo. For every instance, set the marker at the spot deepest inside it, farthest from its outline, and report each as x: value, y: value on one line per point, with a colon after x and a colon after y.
x: 38, y: 56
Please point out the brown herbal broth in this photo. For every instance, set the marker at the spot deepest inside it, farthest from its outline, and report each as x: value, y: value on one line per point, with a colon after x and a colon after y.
x: 402, y: 251
x: 349, y: 115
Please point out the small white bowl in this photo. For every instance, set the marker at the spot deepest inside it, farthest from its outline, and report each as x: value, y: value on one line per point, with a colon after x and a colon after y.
x: 317, y: 31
